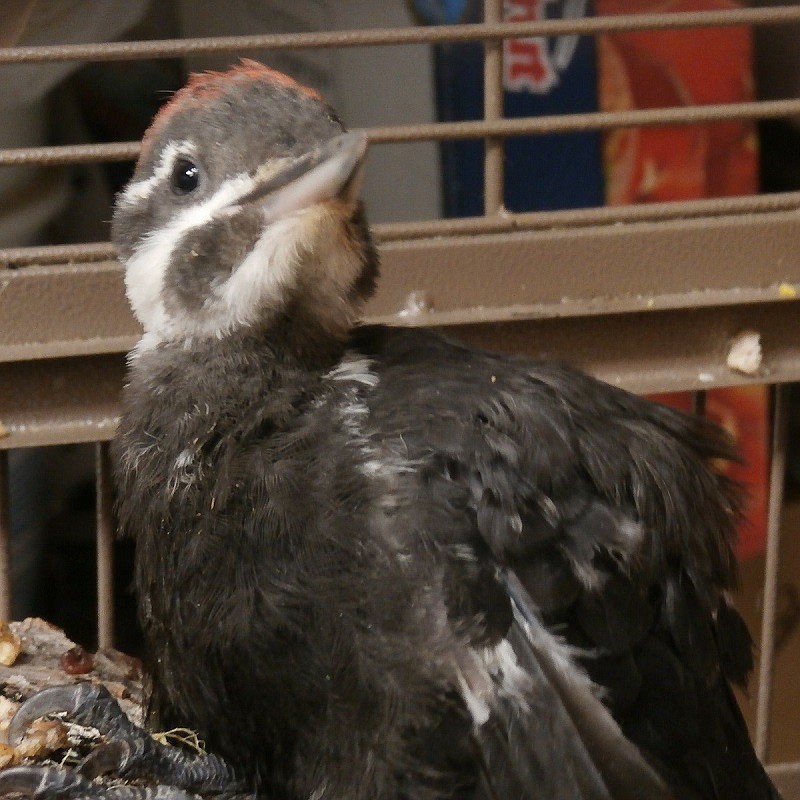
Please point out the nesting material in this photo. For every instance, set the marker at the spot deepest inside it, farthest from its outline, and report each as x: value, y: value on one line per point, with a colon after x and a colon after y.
x: 44, y: 653
x: 39, y: 656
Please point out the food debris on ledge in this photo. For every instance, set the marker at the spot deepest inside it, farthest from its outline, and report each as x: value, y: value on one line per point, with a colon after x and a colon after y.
x: 45, y: 657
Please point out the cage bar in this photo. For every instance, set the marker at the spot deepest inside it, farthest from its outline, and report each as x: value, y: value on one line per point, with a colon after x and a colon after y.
x: 766, y: 662
x: 5, y: 539
x: 493, y: 163
x: 168, y: 48
x: 699, y: 403
x: 105, y: 547
x: 468, y: 129
x: 507, y: 222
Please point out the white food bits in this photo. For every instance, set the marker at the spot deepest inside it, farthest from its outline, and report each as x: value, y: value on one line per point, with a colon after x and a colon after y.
x: 418, y: 302
x: 10, y: 645
x: 745, y: 354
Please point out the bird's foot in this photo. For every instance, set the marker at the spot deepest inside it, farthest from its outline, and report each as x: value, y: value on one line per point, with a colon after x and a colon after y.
x: 58, y: 783
x: 127, y: 752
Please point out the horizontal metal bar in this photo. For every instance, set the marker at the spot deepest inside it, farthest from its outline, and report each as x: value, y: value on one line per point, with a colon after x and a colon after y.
x: 573, y: 123
x: 609, y: 269
x: 507, y: 222
x: 468, y: 129
x: 662, y: 351
x: 61, y: 401
x: 166, y: 48
x: 50, y: 312
x: 584, y: 217
x: 58, y: 155
x: 582, y: 272
x: 57, y: 254
x: 786, y: 778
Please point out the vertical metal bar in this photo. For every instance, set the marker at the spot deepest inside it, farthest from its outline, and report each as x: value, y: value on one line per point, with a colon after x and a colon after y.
x: 5, y: 539
x: 493, y: 168
x: 767, y: 650
x: 699, y: 403
x: 105, y: 548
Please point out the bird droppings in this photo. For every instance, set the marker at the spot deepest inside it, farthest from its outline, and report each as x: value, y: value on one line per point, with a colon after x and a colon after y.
x: 745, y: 354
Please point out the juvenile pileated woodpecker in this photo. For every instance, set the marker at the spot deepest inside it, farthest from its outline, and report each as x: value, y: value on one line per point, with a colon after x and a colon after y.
x: 373, y: 563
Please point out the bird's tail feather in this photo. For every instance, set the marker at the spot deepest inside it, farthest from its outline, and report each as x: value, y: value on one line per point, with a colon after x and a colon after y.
x: 566, y: 744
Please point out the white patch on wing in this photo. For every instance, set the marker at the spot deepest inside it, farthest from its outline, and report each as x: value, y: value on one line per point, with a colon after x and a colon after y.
x: 511, y: 680
x: 463, y: 552
x: 560, y: 654
x: 353, y: 412
x: 355, y: 368
x: 490, y: 673
x: 319, y: 792
x: 633, y: 532
x: 380, y: 460
x: 477, y: 705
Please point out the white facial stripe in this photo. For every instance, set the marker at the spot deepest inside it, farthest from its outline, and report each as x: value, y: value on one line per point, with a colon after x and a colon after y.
x: 144, y: 275
x: 141, y: 190
x: 257, y: 285
x: 264, y: 275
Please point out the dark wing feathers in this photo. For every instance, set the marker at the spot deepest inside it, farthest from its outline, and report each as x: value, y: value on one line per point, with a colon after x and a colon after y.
x: 622, y: 772
x: 613, y: 532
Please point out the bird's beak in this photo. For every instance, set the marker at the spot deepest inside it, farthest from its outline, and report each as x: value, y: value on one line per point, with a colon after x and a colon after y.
x: 332, y: 170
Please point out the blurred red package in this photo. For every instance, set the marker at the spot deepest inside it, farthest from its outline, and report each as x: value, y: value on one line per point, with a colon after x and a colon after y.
x: 744, y: 411
x: 663, y: 68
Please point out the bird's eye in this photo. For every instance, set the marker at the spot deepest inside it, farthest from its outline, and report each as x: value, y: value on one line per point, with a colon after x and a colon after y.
x: 185, y: 176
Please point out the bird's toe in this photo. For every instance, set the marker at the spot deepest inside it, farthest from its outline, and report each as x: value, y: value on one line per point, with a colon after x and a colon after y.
x: 83, y: 703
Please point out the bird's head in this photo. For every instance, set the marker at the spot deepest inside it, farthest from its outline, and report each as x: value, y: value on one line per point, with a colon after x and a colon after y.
x: 243, y: 212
